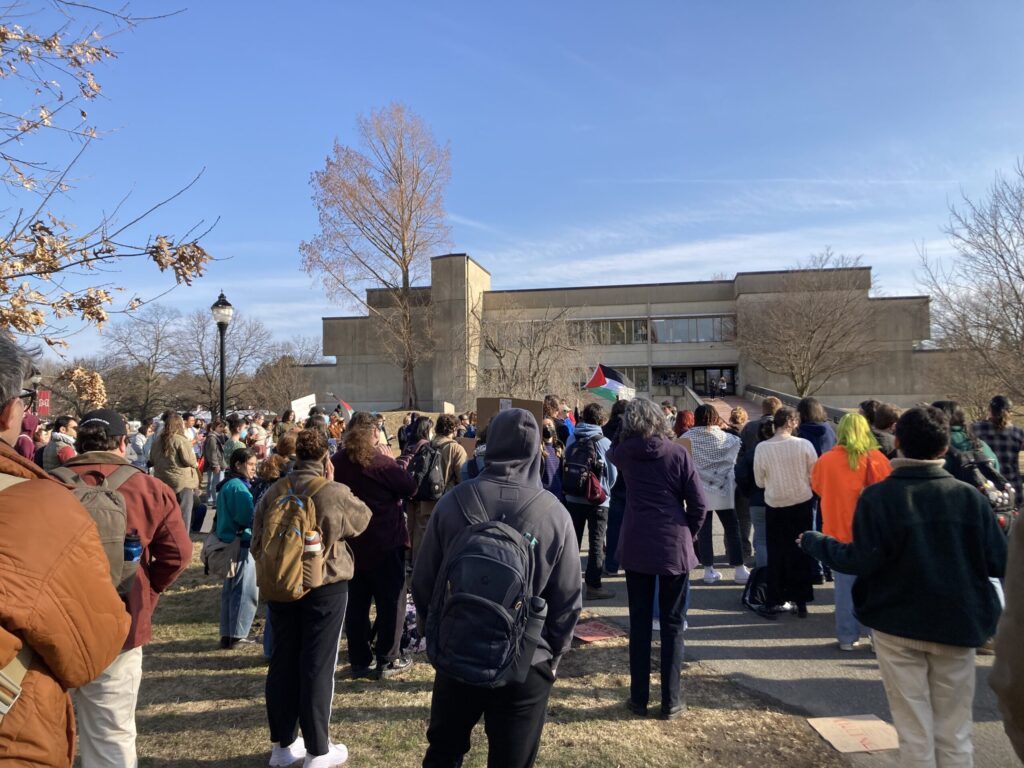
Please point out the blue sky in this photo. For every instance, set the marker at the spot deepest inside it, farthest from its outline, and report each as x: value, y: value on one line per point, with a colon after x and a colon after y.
x: 592, y: 142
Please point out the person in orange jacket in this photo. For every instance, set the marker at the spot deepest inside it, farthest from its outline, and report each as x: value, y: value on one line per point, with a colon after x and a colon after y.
x: 59, y: 612
x: 838, y: 478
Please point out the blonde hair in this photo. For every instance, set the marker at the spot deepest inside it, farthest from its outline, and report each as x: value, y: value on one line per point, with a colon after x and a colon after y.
x: 854, y: 434
x: 738, y: 416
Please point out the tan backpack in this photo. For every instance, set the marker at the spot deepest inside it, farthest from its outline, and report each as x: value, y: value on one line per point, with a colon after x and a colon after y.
x: 279, y: 554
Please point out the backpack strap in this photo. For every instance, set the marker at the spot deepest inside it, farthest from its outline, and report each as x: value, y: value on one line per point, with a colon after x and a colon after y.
x: 475, y: 511
x: 120, y: 476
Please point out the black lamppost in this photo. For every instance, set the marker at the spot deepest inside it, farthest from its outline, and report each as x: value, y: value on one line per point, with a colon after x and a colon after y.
x: 222, y: 312
x: 36, y: 378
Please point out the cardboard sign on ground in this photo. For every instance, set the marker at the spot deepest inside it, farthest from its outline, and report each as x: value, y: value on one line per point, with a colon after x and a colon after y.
x: 468, y: 444
x: 486, y: 407
x: 856, y: 733
x: 594, y: 631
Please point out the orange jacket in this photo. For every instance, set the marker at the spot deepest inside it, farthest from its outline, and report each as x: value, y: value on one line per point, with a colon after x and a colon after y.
x: 57, y: 597
x: 839, y: 487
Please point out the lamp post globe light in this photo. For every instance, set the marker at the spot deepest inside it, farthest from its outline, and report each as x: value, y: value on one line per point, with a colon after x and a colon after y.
x: 222, y: 313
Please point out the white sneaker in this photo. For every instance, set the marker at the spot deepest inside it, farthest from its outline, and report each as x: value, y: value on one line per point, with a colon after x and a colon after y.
x: 337, y: 754
x: 281, y: 756
x: 711, y: 575
x: 742, y: 574
x: 656, y: 625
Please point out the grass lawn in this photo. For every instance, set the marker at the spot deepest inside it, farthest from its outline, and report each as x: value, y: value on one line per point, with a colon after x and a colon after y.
x: 202, y: 706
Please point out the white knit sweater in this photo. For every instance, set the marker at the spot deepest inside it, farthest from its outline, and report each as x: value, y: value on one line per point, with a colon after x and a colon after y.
x: 782, y: 466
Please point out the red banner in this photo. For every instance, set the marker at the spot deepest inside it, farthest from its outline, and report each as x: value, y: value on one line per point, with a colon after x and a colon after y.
x: 43, y: 402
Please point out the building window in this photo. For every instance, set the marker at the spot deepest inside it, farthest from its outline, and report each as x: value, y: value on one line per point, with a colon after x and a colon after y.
x: 638, y: 375
x: 681, y: 330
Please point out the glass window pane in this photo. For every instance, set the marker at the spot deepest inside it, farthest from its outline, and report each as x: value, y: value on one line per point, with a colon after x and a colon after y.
x: 716, y: 334
x: 705, y: 328
x: 617, y: 331
x: 657, y: 331
x: 728, y: 329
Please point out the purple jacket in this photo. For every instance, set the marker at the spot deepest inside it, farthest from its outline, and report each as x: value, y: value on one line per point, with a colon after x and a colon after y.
x: 381, y: 486
x: 657, y: 530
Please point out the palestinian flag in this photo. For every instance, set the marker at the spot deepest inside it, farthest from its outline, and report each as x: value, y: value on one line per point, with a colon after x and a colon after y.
x: 610, y: 384
x: 345, y: 409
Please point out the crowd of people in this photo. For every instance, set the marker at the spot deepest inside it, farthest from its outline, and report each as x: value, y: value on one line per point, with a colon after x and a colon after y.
x: 483, y: 547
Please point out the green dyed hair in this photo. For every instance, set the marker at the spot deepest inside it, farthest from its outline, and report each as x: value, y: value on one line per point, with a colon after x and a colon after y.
x: 854, y: 434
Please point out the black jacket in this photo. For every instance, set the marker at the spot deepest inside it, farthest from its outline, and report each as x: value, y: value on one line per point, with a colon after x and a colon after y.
x: 924, y: 547
x: 512, y: 462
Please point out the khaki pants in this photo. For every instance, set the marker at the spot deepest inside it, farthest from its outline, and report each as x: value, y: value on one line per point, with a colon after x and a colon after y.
x: 930, y: 696
x: 105, y: 710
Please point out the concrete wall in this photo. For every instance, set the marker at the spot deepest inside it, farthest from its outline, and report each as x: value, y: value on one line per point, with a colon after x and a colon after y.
x: 365, y: 378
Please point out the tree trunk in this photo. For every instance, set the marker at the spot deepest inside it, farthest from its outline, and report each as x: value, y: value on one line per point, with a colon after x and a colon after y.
x: 409, y: 396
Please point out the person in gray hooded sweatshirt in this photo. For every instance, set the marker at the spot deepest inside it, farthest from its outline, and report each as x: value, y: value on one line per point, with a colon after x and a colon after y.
x: 513, y: 714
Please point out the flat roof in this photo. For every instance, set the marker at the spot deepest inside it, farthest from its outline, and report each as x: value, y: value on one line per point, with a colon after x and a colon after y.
x: 622, y: 285
x: 465, y: 256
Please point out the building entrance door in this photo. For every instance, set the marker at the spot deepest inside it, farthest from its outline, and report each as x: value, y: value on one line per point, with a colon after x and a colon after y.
x: 719, y: 381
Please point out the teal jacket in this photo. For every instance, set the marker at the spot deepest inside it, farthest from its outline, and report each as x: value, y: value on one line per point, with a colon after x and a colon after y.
x: 234, y: 511
x: 958, y: 439
x: 924, y: 547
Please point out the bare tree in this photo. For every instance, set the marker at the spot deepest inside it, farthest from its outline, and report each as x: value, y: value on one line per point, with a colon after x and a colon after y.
x: 381, y: 211
x: 978, y: 295
x: 283, y: 377
x: 145, y: 351
x: 197, y: 354
x: 50, y: 269
x: 528, y: 357
x: 822, y: 326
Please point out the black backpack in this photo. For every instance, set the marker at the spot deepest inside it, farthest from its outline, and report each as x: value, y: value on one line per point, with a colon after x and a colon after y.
x: 978, y: 470
x: 755, y: 591
x: 582, y: 460
x: 484, y: 622
x: 425, y: 469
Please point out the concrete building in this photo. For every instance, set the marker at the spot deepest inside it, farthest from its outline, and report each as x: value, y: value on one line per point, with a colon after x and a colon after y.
x: 663, y: 336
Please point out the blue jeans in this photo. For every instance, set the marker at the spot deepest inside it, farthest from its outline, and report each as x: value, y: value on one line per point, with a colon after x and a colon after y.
x: 760, y: 537
x: 239, y: 597
x: 672, y: 592
x: 212, y: 480
x: 848, y: 629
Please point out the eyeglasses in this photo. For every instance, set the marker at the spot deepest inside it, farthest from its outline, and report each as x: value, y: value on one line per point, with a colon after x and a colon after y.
x: 26, y: 396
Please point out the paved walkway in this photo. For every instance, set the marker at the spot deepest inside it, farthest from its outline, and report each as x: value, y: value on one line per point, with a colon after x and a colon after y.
x: 796, y: 662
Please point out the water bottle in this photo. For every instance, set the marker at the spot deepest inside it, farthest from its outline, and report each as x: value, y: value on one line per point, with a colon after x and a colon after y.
x: 132, y: 547
x: 312, y: 560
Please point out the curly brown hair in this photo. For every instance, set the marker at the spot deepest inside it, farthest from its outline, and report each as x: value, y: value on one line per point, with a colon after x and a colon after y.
x: 360, y: 445
x: 446, y: 424
x: 310, y: 445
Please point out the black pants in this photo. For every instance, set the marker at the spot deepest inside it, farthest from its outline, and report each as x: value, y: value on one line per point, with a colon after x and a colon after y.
x: 705, y: 541
x: 300, y: 681
x: 513, y: 720
x: 384, y: 585
x: 596, y: 521
x: 790, y: 570
x: 671, y: 602
x: 746, y: 526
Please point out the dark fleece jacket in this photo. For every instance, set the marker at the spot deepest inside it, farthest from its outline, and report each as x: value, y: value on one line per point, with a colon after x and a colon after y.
x: 512, y: 466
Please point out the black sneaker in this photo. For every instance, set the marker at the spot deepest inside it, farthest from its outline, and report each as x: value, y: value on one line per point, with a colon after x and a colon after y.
x: 396, y: 667
x: 640, y: 710
x: 360, y: 672
x: 671, y: 713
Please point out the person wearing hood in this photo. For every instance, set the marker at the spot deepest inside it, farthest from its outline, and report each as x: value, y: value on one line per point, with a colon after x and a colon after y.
x: 665, y: 510
x: 513, y: 714
x: 593, y: 516
x: 240, y: 595
x: 26, y: 444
